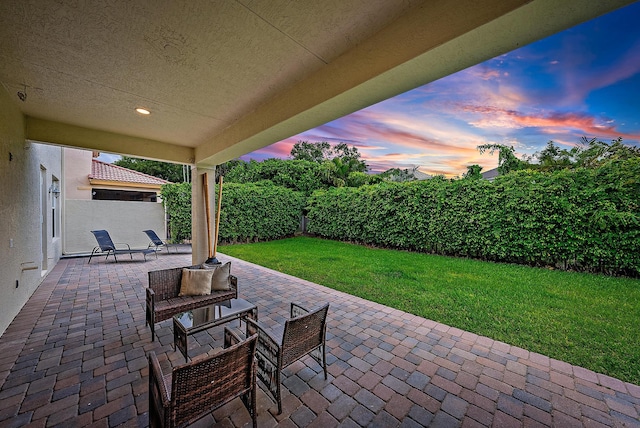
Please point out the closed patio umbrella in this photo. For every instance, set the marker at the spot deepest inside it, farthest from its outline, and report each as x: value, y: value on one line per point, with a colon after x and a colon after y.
x: 212, y: 260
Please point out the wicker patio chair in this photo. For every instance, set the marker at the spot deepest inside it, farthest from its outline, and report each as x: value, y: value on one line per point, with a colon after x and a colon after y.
x: 195, y: 389
x: 304, y: 334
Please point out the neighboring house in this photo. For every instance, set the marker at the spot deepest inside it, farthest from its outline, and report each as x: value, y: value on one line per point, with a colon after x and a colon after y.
x: 491, y: 174
x: 408, y: 175
x: 419, y: 175
x: 99, y: 195
x: 114, y: 183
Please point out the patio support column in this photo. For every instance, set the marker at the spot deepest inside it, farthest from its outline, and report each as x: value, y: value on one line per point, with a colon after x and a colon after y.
x: 198, y: 212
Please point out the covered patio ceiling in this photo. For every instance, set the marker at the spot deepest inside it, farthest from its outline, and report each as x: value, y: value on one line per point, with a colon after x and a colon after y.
x: 223, y: 78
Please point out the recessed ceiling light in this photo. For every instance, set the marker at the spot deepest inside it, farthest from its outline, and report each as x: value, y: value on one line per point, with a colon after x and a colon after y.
x: 143, y: 110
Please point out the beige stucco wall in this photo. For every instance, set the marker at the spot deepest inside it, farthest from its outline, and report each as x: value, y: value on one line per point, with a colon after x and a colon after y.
x: 77, y: 168
x: 124, y: 221
x: 24, y: 258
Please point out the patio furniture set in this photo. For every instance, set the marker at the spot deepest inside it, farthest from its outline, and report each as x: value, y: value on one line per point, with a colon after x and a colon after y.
x: 205, y: 383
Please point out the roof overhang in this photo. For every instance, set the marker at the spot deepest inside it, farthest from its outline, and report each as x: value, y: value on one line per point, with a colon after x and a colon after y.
x: 107, y: 184
x: 223, y: 79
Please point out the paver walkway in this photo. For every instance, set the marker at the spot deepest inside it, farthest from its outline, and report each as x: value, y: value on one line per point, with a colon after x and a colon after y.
x: 76, y: 356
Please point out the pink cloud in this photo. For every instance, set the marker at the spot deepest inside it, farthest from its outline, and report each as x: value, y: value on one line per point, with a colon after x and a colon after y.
x: 407, y: 132
x: 556, y: 122
x: 280, y: 149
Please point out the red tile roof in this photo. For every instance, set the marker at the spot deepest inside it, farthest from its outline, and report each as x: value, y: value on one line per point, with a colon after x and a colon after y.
x: 109, y: 172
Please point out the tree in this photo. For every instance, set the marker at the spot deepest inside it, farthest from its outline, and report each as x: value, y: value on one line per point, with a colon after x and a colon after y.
x: 337, y: 162
x: 507, y: 160
x: 399, y: 175
x: 473, y: 172
x: 357, y: 179
x: 594, y: 153
x: 337, y: 170
x: 323, y: 151
x: 167, y: 171
x: 224, y: 168
x: 314, y: 152
x: 346, y: 153
x: 302, y: 175
x: 553, y: 158
x: 591, y: 153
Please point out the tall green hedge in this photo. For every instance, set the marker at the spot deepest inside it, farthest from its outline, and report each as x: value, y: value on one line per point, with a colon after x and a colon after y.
x: 251, y: 211
x: 177, y: 203
x: 586, y: 219
x: 259, y: 211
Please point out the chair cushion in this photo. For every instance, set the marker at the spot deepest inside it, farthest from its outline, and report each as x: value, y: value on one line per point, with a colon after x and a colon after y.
x: 221, y: 280
x: 195, y: 282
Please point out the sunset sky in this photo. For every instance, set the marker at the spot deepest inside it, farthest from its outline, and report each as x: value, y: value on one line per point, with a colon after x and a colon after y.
x: 584, y: 81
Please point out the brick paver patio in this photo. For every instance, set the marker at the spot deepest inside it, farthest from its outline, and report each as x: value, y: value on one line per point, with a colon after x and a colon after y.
x: 76, y: 355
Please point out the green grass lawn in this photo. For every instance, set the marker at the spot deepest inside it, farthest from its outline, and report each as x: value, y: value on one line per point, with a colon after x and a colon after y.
x: 589, y: 320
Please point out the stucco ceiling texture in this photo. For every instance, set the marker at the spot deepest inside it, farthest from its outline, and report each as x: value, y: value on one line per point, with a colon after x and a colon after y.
x: 197, y: 65
x: 220, y: 77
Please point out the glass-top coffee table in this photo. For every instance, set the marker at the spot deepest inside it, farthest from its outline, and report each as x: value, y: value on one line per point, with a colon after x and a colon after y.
x: 195, y: 320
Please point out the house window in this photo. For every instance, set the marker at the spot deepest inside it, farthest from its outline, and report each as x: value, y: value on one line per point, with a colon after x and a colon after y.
x: 123, y: 195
